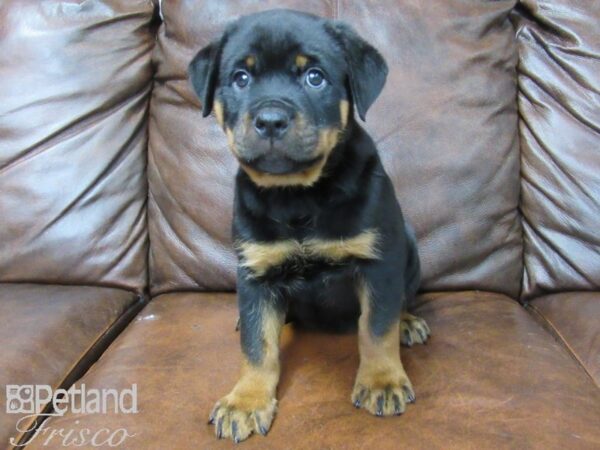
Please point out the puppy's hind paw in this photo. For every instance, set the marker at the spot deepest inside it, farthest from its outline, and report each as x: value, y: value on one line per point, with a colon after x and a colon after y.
x: 413, y: 330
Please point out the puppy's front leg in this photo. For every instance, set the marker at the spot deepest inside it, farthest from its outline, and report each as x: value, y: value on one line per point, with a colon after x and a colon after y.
x: 382, y: 386
x: 251, y: 404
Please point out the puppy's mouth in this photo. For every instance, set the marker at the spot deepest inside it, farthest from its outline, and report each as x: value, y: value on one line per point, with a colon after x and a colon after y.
x: 274, y: 164
x: 296, y: 160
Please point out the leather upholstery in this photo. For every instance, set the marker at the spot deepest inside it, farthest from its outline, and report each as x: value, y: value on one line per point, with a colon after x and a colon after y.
x: 51, y: 334
x: 76, y: 77
x: 446, y: 126
x: 559, y: 104
x: 490, y: 377
x: 574, y: 318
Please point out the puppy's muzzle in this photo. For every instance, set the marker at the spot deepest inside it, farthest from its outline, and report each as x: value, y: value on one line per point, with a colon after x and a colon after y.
x: 271, y: 119
x: 271, y: 123
x: 276, y: 147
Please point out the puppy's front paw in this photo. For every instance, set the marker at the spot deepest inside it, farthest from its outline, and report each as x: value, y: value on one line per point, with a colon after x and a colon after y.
x: 383, y: 395
x: 238, y: 415
x: 413, y: 330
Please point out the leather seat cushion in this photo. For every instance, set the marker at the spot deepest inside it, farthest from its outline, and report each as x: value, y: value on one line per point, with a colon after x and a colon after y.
x: 574, y: 318
x: 51, y: 334
x: 490, y: 377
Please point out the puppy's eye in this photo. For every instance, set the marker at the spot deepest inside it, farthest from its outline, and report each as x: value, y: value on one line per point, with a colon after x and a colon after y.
x: 315, y: 78
x: 241, y: 78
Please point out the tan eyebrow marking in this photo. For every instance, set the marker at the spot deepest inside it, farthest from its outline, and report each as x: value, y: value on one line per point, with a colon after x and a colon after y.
x: 250, y: 61
x: 301, y: 61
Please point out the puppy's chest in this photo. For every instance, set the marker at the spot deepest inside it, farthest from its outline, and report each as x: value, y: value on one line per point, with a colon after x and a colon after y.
x: 287, y: 258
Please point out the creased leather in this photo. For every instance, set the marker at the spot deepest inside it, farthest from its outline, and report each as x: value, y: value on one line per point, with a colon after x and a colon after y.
x: 490, y: 378
x: 559, y: 104
x: 76, y: 79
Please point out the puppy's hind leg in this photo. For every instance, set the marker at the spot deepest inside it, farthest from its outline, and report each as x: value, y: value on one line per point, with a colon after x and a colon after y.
x: 413, y: 329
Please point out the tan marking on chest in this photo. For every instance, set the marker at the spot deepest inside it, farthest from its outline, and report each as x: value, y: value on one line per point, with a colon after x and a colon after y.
x: 259, y: 257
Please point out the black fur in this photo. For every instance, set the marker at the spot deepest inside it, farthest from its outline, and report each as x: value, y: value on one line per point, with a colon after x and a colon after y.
x: 354, y: 194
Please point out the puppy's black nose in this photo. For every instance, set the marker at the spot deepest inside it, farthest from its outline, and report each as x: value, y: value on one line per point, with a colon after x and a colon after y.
x: 271, y: 122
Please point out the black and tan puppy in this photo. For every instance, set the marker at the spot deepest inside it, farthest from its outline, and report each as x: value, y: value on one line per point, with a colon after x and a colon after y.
x: 319, y: 233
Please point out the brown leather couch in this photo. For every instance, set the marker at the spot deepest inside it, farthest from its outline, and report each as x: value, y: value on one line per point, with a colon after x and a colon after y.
x: 115, y: 204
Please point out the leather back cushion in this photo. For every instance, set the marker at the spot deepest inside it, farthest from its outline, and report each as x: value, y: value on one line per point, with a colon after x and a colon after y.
x: 445, y: 125
x: 559, y: 100
x: 75, y: 84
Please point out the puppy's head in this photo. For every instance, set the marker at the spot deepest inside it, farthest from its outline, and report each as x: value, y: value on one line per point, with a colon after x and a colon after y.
x: 283, y: 85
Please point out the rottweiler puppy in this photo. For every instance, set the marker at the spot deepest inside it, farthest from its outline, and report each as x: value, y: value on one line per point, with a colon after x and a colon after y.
x: 317, y: 228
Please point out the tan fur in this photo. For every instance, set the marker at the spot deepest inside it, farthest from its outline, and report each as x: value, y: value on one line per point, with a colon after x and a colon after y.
x: 362, y: 246
x: 344, y: 111
x: 250, y: 61
x: 301, y: 61
x: 306, y: 177
x: 328, y: 139
x: 413, y: 330
x: 380, y: 373
x: 219, y: 115
x: 246, y: 119
x: 259, y: 257
x: 231, y: 141
x: 252, y: 403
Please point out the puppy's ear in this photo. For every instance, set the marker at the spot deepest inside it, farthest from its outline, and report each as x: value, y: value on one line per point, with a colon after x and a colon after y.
x: 203, y: 72
x: 367, y: 68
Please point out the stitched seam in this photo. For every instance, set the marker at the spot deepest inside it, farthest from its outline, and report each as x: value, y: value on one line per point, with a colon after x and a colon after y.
x: 140, y: 301
x: 561, y: 340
